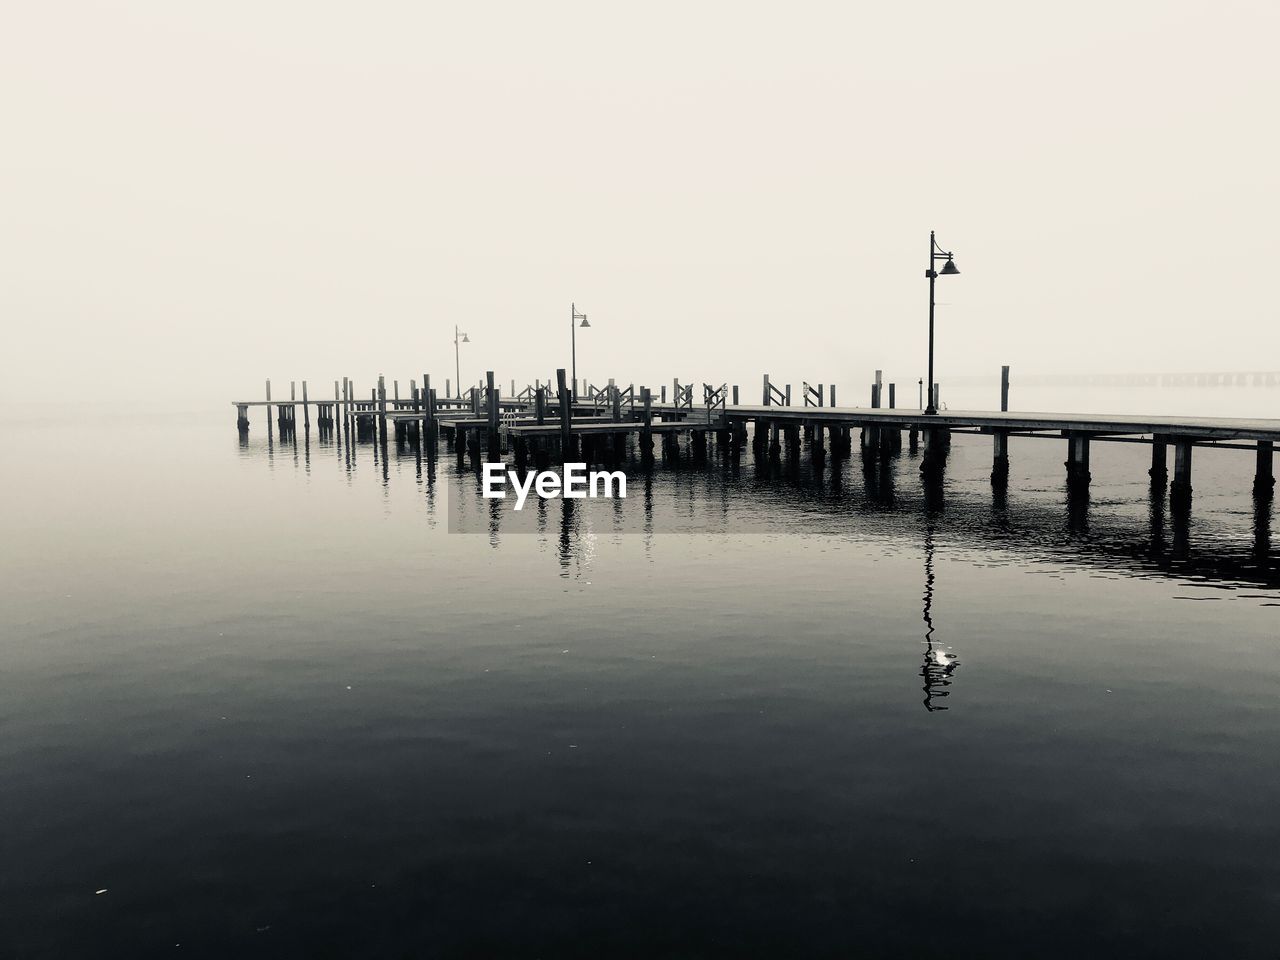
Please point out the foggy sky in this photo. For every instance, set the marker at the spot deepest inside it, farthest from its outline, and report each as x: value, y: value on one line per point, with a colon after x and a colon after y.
x: 197, y: 196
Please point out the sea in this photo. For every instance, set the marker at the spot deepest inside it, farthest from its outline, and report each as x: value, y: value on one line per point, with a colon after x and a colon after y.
x: 270, y: 696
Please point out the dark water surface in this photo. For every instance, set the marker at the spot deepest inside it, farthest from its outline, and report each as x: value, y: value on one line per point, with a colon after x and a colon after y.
x: 264, y: 699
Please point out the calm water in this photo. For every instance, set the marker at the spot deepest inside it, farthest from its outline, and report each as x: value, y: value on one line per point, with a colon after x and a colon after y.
x: 264, y: 699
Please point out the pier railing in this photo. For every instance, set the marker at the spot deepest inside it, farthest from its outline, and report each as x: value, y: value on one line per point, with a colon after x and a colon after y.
x: 715, y: 398
x: 775, y: 397
x: 683, y: 395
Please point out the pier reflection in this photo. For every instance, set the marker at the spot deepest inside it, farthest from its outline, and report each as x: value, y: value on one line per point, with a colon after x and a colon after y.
x: 939, y: 664
x: 871, y: 492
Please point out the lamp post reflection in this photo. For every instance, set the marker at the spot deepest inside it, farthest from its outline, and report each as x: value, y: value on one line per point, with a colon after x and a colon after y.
x: 939, y: 665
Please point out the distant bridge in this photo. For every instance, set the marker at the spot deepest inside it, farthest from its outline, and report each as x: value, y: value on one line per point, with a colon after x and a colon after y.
x: 1216, y: 378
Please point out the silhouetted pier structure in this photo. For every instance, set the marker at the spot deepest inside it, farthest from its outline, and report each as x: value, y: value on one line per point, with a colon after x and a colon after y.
x: 559, y: 421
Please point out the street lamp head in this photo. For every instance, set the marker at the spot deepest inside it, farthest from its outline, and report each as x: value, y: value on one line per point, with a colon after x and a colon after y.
x: 465, y: 338
x: 584, y: 321
x: 949, y: 268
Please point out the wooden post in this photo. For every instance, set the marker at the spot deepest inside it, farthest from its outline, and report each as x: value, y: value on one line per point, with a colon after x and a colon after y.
x: 788, y: 395
x: 268, y: 405
x: 566, y: 413
x: 448, y: 388
x: 1159, y: 471
x: 494, y: 439
x: 617, y: 402
x: 1180, y: 491
x: 664, y: 393
x: 646, y: 434
x: 735, y: 394
x: 306, y: 408
x: 1264, y: 480
x: 396, y: 387
x: 1004, y: 389
x: 934, y: 461
x: 382, y: 409
x: 767, y: 391
x: 1077, y: 461
x: 540, y: 404
x: 1000, y: 456
x: 832, y: 395
x: 892, y: 399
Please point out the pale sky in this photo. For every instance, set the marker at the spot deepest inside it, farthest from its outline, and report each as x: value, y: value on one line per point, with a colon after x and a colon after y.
x: 197, y: 196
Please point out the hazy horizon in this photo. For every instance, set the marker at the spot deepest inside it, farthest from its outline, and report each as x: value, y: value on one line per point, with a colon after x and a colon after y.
x: 198, y: 198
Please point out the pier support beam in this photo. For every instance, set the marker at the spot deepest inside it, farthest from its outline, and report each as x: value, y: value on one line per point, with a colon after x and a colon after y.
x: 1264, y: 480
x: 934, y: 461
x: 1180, y: 491
x: 491, y: 397
x: 1078, y: 461
x: 566, y: 415
x: 1000, y: 456
x: 698, y: 443
x: 1159, y: 459
x: 382, y: 409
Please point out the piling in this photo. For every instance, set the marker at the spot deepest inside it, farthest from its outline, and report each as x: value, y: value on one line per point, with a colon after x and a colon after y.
x: 1180, y: 491
x: 1077, y: 462
x: 1004, y: 389
x: 1264, y: 480
x: 566, y: 414
x: 934, y: 461
x: 492, y: 397
x: 999, y: 457
x: 1159, y: 471
x: 382, y: 410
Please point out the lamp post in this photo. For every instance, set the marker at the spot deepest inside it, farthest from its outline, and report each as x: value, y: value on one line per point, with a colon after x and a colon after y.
x: 936, y: 253
x: 574, y: 316
x: 457, y: 366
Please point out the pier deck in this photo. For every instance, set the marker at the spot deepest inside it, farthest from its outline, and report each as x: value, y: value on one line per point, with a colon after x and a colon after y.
x: 1206, y: 428
x: 548, y: 422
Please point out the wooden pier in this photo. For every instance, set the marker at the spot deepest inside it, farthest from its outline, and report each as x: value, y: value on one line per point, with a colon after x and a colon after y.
x: 546, y: 421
